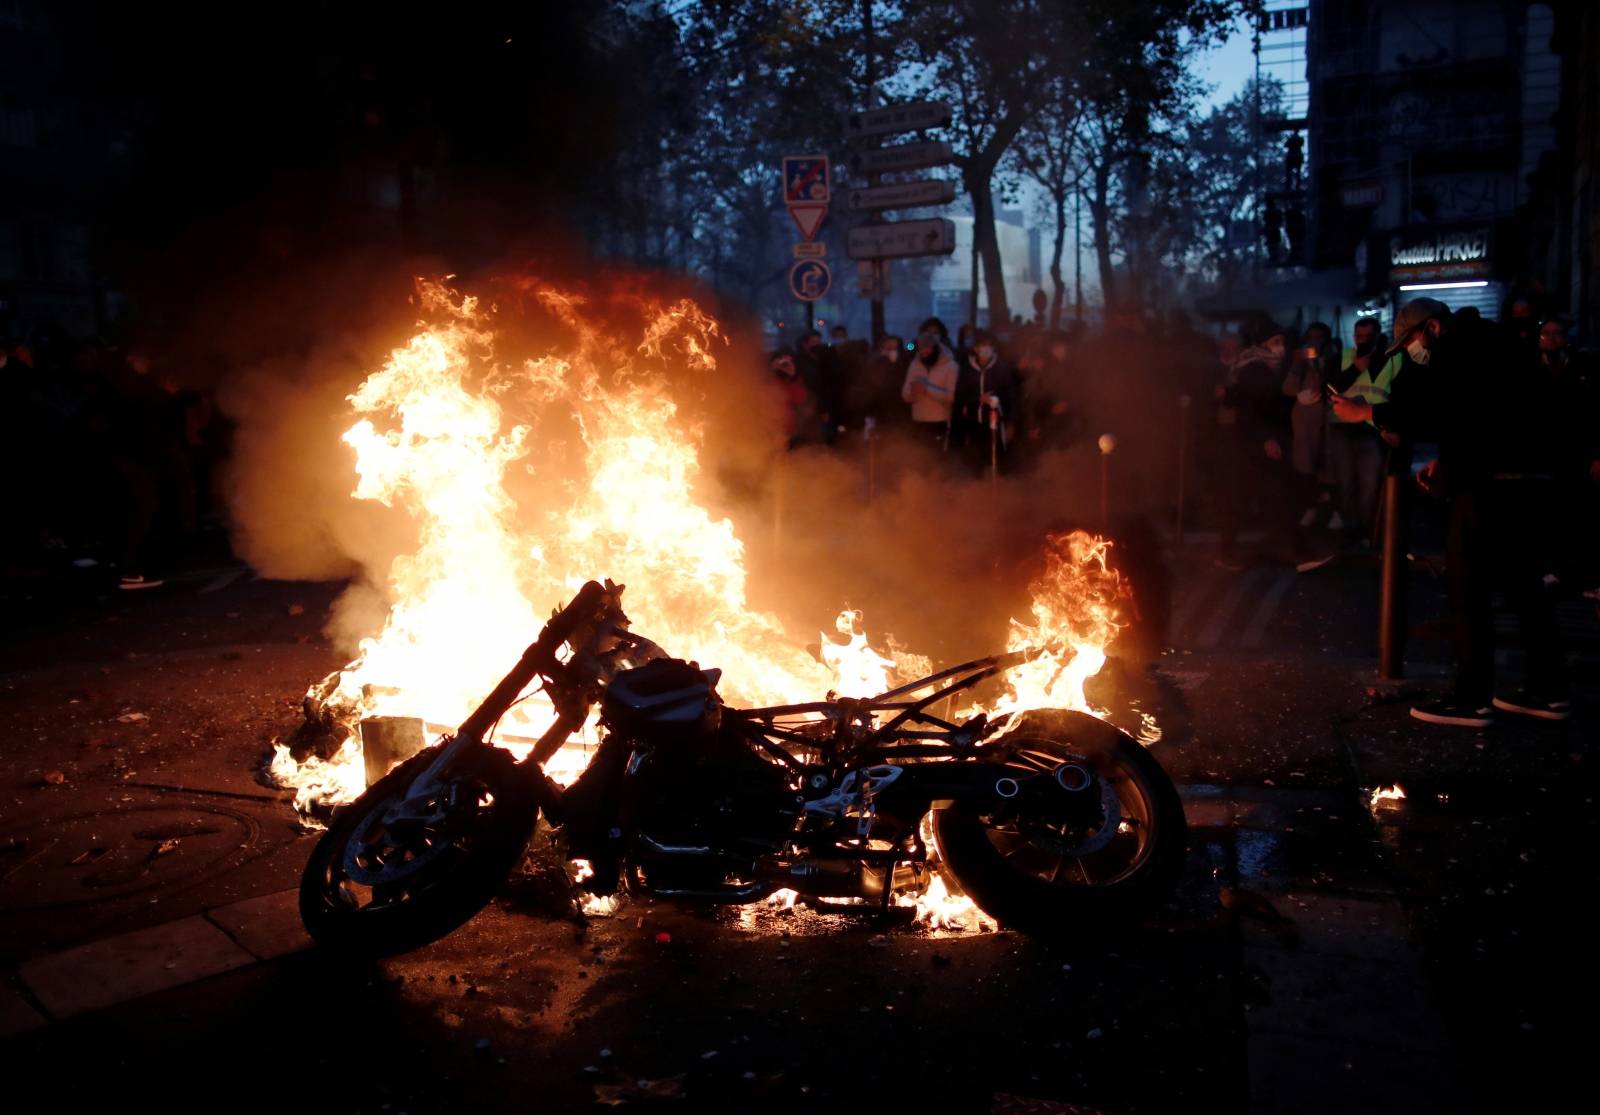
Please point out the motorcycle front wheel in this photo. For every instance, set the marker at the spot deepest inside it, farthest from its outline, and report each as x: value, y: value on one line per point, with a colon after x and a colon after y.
x: 1069, y: 864
x: 379, y: 888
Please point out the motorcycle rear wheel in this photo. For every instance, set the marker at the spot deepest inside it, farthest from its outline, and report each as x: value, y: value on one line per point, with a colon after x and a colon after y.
x: 1034, y: 873
x: 446, y: 875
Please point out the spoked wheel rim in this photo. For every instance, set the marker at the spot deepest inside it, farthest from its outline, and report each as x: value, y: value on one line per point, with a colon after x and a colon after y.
x: 1097, y: 842
x: 390, y: 860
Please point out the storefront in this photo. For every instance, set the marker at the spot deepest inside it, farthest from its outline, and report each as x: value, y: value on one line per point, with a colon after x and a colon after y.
x: 1454, y: 264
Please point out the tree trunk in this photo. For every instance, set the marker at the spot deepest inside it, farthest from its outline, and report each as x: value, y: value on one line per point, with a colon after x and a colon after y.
x: 1055, y: 260
x: 986, y: 243
x: 1100, y: 217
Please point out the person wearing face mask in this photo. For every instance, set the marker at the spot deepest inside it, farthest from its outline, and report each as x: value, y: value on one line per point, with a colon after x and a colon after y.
x: 1355, y: 448
x: 1496, y: 467
x: 930, y: 388
x: 875, y: 392
x: 985, y: 394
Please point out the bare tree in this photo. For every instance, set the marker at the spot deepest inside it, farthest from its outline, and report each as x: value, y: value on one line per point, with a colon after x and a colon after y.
x: 1046, y: 153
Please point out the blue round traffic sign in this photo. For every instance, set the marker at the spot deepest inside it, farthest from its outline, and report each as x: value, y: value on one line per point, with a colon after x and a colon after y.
x: 809, y: 279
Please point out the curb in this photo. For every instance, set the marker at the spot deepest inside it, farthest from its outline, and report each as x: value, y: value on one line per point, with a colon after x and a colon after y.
x: 114, y: 970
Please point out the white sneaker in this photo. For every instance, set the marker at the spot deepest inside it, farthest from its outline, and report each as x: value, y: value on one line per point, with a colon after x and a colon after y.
x: 136, y: 582
x: 1335, y: 521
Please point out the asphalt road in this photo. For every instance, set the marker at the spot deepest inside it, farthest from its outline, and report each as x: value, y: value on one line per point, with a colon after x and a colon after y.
x: 1323, y: 954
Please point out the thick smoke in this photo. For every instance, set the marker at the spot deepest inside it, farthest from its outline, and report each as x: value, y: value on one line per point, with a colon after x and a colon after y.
x: 938, y: 557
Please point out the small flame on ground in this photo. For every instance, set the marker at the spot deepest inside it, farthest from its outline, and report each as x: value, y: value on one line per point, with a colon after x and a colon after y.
x: 592, y: 905
x: 1384, y: 794
x: 938, y: 908
x: 316, y: 782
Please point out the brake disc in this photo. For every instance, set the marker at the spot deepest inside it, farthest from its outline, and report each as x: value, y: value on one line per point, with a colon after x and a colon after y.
x: 411, y: 836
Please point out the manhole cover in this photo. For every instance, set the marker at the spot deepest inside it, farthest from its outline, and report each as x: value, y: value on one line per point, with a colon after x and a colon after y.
x: 93, y: 857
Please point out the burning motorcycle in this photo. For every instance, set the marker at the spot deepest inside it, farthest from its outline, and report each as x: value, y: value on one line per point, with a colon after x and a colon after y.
x: 1051, y: 821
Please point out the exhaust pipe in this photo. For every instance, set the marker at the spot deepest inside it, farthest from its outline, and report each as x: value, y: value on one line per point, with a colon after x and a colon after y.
x: 1073, y: 778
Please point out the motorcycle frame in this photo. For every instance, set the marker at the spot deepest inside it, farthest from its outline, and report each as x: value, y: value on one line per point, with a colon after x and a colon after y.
x: 912, y: 732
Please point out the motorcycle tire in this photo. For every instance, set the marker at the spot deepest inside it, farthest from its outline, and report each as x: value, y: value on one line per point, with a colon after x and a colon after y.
x: 1015, y: 891
x: 443, y: 896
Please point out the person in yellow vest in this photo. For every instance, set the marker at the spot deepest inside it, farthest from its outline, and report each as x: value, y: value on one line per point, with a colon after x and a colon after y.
x: 1355, y: 449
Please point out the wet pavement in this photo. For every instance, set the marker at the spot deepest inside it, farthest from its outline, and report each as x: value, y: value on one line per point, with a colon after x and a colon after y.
x: 1324, y: 953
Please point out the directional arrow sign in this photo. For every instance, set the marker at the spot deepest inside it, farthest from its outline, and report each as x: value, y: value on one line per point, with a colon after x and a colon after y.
x: 897, y: 118
x: 904, y: 195
x: 907, y: 156
x: 809, y: 279
x: 902, y: 239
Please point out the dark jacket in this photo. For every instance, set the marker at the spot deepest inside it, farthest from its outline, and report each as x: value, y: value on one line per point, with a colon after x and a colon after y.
x: 1255, y: 394
x: 1475, y: 399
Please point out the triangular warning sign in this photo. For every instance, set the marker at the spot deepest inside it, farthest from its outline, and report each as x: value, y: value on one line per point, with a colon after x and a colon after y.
x: 808, y: 218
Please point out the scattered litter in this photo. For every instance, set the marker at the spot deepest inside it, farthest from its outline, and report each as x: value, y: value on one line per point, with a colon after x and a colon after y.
x: 663, y: 938
x: 133, y: 718
x: 55, y: 777
x: 296, y: 609
x: 615, y: 1095
x: 1095, y: 1034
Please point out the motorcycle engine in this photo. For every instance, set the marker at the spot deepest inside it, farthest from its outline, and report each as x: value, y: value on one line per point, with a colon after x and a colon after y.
x: 702, y: 801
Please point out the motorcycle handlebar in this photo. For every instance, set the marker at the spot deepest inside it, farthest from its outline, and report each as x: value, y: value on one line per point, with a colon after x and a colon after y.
x: 540, y: 657
x: 578, y: 611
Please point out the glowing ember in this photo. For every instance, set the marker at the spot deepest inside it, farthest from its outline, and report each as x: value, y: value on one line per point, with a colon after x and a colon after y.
x: 521, y: 476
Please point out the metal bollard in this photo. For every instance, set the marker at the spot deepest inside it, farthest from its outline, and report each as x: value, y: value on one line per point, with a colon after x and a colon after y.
x: 1183, y: 456
x: 870, y: 432
x: 1107, y: 443
x: 1392, y: 585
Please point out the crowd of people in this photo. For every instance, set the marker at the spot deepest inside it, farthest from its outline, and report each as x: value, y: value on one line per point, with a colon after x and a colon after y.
x: 989, y: 404
x: 116, y: 459
x: 1290, y: 434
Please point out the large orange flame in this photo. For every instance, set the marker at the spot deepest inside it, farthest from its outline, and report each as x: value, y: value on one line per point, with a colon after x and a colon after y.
x: 523, y: 476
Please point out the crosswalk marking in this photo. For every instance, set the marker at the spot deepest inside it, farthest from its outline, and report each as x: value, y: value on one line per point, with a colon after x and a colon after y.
x: 1267, y: 608
x: 224, y: 579
x: 1194, y: 600
x: 1243, y: 584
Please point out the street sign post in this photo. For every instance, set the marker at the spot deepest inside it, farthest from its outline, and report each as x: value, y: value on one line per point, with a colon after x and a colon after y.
x: 877, y: 241
x: 805, y: 179
x: 872, y: 280
x: 904, y: 195
x: 809, y: 279
x: 897, y: 118
x: 905, y: 156
x: 903, y: 239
